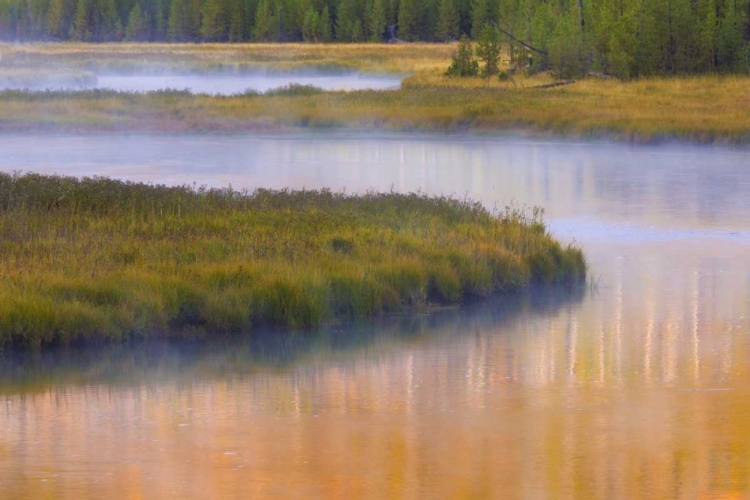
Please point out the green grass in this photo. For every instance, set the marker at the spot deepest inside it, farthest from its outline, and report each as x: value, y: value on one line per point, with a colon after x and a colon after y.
x: 99, y: 259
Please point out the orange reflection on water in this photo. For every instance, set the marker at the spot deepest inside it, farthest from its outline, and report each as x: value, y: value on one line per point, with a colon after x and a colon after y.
x: 641, y: 390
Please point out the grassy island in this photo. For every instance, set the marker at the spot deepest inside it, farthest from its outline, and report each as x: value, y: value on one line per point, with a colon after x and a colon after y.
x: 98, y: 259
x: 708, y: 108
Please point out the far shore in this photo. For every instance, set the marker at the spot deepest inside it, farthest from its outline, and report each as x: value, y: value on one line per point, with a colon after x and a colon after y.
x: 707, y: 109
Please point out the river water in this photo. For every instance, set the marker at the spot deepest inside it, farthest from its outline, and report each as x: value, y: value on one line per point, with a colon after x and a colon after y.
x: 637, y: 387
x: 228, y: 84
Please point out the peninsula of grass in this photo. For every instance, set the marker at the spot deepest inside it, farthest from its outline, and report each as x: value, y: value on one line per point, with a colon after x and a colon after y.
x: 706, y: 109
x: 96, y: 260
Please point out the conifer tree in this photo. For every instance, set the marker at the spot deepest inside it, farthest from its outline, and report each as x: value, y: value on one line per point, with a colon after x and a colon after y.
x: 463, y: 63
x: 346, y: 21
x: 137, y: 27
x: 213, y: 26
x: 729, y: 43
x: 407, y: 19
x: 311, y: 25
x: 479, y: 17
x: 82, y: 26
x: 59, y: 17
x: 447, y: 26
x: 488, y: 51
x: 376, y: 22
x: 176, y: 21
x: 325, y: 31
x: 236, y: 21
x: 263, y: 30
x: 707, y: 36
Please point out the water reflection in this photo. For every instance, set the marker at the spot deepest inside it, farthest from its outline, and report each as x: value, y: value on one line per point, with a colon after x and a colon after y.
x: 632, y: 392
x: 638, y: 388
x: 238, y: 84
x: 160, y: 360
x: 216, y: 84
x: 685, y: 187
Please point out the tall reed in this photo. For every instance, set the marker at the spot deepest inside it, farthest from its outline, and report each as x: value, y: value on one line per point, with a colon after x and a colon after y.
x: 95, y: 259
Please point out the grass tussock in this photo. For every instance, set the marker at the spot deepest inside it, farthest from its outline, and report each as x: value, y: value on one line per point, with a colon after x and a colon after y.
x: 97, y: 259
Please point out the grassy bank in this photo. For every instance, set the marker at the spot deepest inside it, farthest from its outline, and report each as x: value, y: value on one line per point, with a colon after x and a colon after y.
x: 700, y: 109
x: 228, y: 58
x: 102, y: 259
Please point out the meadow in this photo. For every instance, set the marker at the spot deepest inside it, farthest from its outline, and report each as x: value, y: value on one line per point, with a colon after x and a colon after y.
x: 100, y: 259
x: 709, y: 108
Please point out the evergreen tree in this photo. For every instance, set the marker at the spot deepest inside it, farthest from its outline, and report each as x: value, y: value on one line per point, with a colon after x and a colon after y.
x: 159, y: 31
x: 311, y: 25
x: 177, y: 22
x: 59, y: 18
x: 213, y: 26
x: 348, y: 24
x: 193, y: 20
x: 236, y: 21
x: 264, y: 28
x: 325, y: 32
x: 463, y: 63
x: 729, y: 43
x: 137, y: 27
x: 488, y: 51
x: 708, y: 35
x: 407, y: 19
x: 479, y: 17
x: 566, y: 48
x: 447, y: 26
x: 626, y: 38
x: 183, y: 24
x: 376, y: 22
x: 82, y: 26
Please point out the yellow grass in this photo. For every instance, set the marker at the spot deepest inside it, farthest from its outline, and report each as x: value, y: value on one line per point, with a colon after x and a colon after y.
x: 395, y: 58
x: 100, y: 259
x: 706, y: 108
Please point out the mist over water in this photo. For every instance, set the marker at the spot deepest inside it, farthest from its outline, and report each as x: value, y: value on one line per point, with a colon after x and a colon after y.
x: 638, y: 387
x: 210, y: 84
x: 606, y: 188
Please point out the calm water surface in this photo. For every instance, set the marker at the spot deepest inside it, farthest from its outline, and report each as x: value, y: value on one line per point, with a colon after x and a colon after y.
x: 637, y: 388
x: 226, y: 84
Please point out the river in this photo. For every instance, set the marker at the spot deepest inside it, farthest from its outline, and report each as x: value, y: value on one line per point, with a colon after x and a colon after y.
x: 637, y: 387
x: 209, y: 84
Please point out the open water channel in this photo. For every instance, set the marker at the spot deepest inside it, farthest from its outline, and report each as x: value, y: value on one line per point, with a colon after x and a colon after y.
x: 213, y: 84
x: 638, y: 387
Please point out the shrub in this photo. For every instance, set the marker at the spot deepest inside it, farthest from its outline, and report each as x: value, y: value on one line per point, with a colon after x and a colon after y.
x: 463, y: 63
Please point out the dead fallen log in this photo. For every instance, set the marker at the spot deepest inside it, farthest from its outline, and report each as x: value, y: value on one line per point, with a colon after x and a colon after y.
x: 561, y: 83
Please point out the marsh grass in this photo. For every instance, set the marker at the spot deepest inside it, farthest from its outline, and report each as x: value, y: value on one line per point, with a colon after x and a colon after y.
x: 228, y: 58
x: 98, y: 259
x: 702, y: 109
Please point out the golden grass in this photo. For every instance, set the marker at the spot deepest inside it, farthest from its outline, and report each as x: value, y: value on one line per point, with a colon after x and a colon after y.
x: 703, y: 108
x: 395, y: 58
x: 97, y: 259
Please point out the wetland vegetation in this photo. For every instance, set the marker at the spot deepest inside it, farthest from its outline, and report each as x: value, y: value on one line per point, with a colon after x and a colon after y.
x: 95, y: 259
x: 707, y: 108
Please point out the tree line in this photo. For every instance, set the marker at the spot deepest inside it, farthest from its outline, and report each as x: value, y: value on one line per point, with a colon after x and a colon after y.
x: 625, y: 38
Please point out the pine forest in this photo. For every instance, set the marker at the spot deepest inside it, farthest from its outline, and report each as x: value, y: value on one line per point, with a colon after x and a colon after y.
x: 624, y: 38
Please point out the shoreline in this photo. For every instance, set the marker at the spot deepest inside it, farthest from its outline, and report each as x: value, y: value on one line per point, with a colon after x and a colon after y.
x: 106, y: 260
x: 697, y: 109
x: 65, y: 113
x: 468, y: 133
